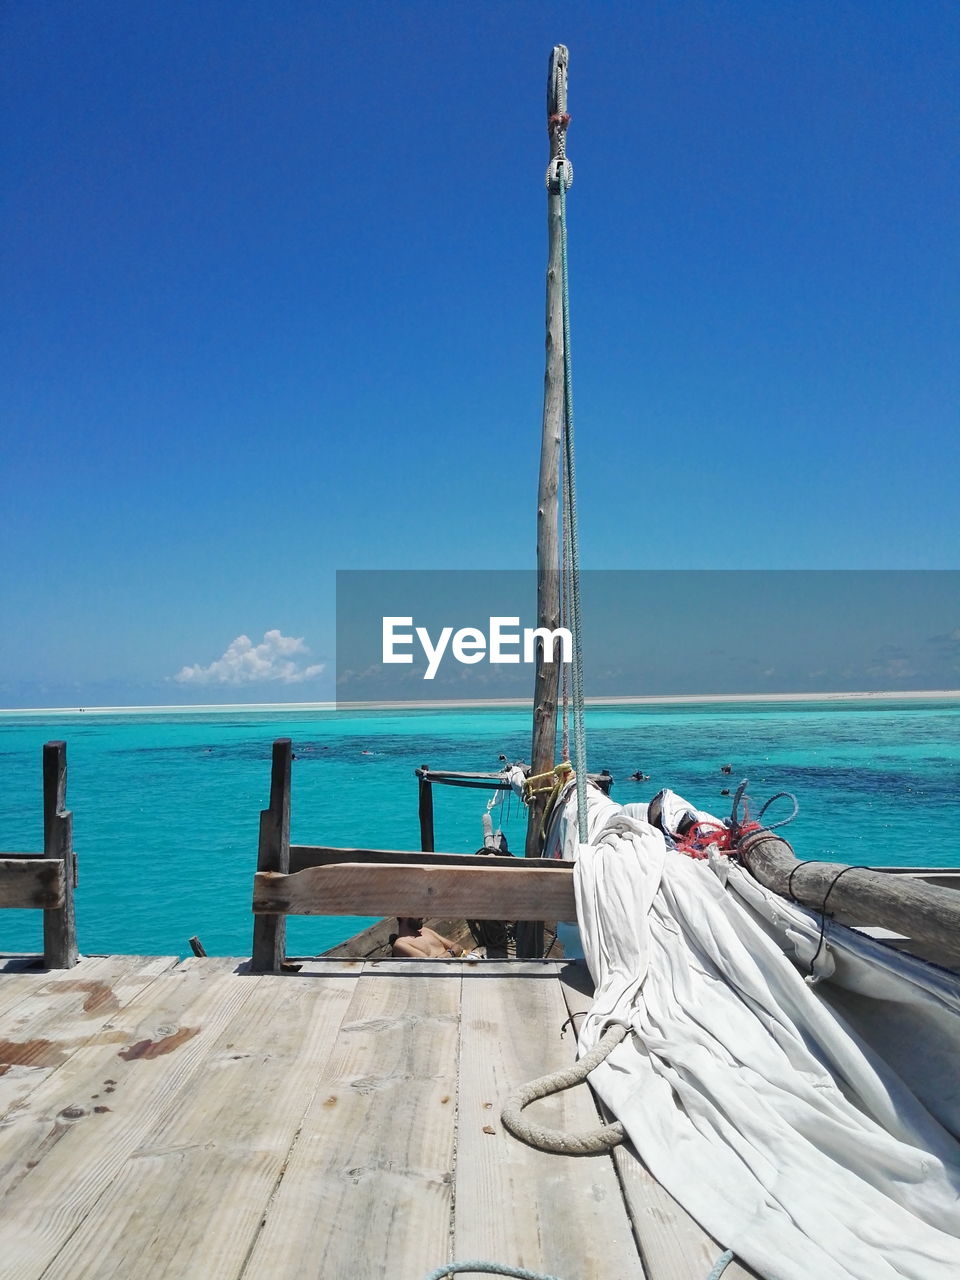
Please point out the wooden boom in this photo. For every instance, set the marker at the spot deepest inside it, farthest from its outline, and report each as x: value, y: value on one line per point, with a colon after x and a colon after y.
x: 922, y: 912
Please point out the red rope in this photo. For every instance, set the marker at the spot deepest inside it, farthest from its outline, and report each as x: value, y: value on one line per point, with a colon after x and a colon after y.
x: 702, y: 835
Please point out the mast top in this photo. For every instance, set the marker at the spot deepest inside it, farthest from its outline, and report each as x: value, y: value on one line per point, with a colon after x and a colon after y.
x: 558, y: 119
x: 557, y: 81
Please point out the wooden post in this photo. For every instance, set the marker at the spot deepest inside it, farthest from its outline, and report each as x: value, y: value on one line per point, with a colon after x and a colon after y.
x: 270, y: 931
x: 59, y: 923
x: 924, y: 913
x: 547, y: 674
x: 426, y: 810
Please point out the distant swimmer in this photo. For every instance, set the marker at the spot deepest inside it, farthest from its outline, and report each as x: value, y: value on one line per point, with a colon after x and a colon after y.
x: 726, y: 768
x: 639, y: 777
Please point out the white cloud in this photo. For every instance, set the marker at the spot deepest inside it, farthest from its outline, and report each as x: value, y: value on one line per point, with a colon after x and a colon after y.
x: 244, y: 662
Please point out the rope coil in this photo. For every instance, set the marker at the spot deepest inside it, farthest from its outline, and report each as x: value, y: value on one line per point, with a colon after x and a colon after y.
x: 700, y: 838
x: 587, y: 1143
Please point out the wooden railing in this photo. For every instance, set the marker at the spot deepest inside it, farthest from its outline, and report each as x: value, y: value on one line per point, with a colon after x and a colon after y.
x: 46, y: 881
x: 429, y: 778
x: 321, y: 880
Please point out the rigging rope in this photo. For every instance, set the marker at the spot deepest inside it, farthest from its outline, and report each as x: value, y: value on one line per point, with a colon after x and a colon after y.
x: 571, y: 541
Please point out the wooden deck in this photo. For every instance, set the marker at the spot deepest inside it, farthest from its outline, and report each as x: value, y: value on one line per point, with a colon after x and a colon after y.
x: 191, y: 1120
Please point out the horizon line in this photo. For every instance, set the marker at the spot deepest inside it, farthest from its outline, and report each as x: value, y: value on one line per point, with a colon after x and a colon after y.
x: 603, y: 700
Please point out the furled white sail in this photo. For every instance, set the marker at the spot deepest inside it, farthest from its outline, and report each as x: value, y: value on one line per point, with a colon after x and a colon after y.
x: 806, y: 1127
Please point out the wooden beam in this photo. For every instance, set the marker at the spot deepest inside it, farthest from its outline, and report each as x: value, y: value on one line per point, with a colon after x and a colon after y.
x: 32, y: 881
x: 495, y: 782
x: 270, y: 932
x: 861, y: 896
x: 426, y: 809
x: 477, y: 783
x: 486, y: 892
x: 445, y: 775
x: 60, y: 922
x: 308, y: 855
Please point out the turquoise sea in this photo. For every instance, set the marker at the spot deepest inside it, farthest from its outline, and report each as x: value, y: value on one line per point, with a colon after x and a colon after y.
x: 166, y: 804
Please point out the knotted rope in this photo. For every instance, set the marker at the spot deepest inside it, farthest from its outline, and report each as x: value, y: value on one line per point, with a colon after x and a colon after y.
x: 589, y: 1142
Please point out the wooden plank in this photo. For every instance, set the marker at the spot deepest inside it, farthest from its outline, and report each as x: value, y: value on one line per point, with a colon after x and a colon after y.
x: 529, y: 1208
x: 484, y: 892
x: 63, y: 1012
x: 367, y: 1190
x: 314, y: 855
x: 60, y: 922
x: 213, y: 965
x: 32, y: 882
x: 673, y: 1246
x: 19, y: 962
x: 326, y: 967
x: 189, y: 1200
x: 270, y: 933
x: 61, y: 1151
x: 859, y: 895
x: 15, y: 987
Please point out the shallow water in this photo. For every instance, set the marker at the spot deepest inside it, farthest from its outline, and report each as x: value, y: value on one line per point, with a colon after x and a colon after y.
x: 166, y: 805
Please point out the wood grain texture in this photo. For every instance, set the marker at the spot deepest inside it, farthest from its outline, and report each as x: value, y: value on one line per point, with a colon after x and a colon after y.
x: 547, y: 674
x: 60, y: 922
x: 487, y: 891
x: 529, y: 1208
x: 425, y: 810
x: 61, y: 1151
x: 189, y: 1200
x: 924, y: 912
x: 62, y: 1013
x: 16, y: 986
x: 367, y: 1189
x: 313, y: 855
x: 273, y: 855
x: 32, y: 882
x: 673, y: 1246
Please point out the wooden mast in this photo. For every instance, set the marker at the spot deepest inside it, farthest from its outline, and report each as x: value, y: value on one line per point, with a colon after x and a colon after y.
x: 547, y: 674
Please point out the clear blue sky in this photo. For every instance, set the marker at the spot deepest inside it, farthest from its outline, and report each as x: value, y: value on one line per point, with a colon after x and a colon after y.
x: 273, y: 306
